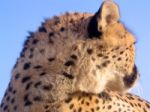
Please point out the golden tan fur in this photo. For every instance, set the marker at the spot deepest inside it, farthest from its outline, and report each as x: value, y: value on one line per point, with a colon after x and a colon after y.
x: 65, y: 56
x: 108, y: 101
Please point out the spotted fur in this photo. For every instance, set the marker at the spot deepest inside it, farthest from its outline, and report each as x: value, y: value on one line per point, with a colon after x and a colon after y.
x: 72, y: 54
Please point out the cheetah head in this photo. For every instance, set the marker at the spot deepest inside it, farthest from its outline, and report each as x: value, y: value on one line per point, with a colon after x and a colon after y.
x: 109, y: 47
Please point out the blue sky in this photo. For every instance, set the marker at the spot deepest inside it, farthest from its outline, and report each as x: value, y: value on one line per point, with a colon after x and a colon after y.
x: 17, y: 17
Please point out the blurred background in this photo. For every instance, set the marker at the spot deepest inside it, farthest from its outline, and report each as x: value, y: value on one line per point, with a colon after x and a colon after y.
x: 17, y: 17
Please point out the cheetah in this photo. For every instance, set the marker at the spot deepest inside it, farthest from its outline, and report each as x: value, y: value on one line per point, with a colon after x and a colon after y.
x: 106, y: 101
x: 69, y: 55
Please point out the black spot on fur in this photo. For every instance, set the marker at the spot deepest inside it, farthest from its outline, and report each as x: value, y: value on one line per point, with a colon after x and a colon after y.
x: 114, y: 56
x: 80, y: 109
x: 42, y: 29
x: 23, y: 52
x: 106, y: 57
x: 109, y: 107
x: 71, y: 106
x: 14, y: 92
x: 31, y: 35
x: 130, y: 79
x: 62, y: 29
x: 5, y: 94
x: 35, y: 41
x: 68, y: 75
x: 119, y: 59
x: 37, y: 98
x: 17, y: 76
x: 104, y: 64
x: 2, y: 104
x: 51, y: 34
x: 104, y: 96
x: 87, y: 103
x: 51, y: 59
x: 69, y: 63
x: 116, y: 48
x: 16, y: 64
x: 46, y: 106
x: 8, y: 98
x: 12, y: 100
x: 121, y: 52
x: 100, y: 55
x: 96, y: 101
x: 5, y: 107
x: 47, y: 87
x: 10, y: 89
x: 26, y: 66
x: 25, y: 79
x: 43, y: 73
x: 74, y: 57
x: 100, y: 47
x: 27, y: 101
x: 92, y: 29
x: 42, y: 51
x: 31, y: 56
x: 28, y: 85
x: 50, y: 41
x: 37, y: 84
x: 97, y: 108
x: 147, y: 105
x: 32, y: 49
x: 15, y: 107
x: 98, y: 66
x: 89, y: 51
x: 38, y: 67
x: 68, y: 100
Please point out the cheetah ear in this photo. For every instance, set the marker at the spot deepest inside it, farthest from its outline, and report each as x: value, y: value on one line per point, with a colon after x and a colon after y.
x: 107, y: 14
